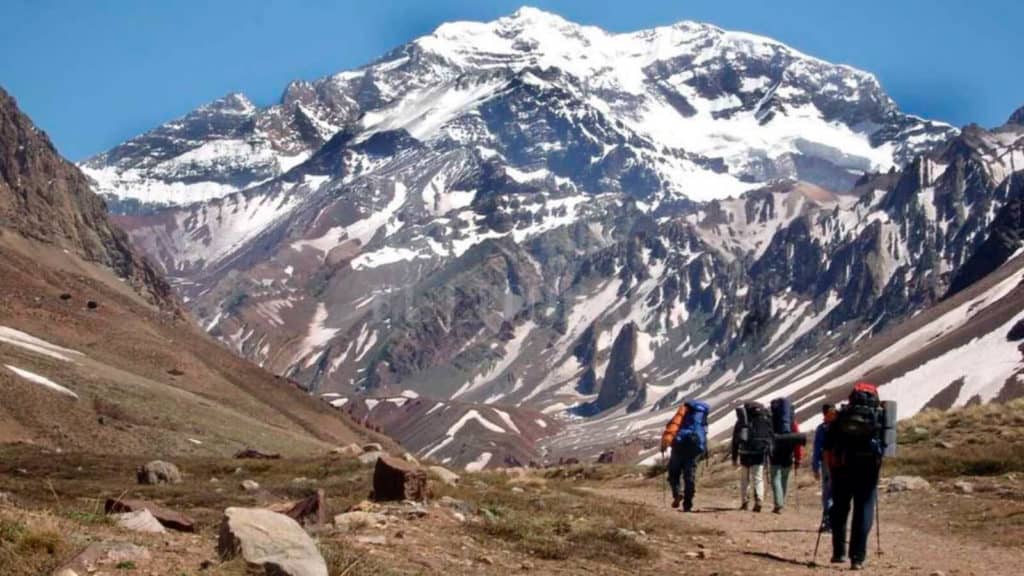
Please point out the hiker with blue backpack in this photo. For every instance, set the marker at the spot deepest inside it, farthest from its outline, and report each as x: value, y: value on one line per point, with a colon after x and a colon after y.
x: 687, y: 435
x: 787, y: 449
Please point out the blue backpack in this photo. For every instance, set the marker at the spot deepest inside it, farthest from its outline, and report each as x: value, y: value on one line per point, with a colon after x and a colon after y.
x: 692, y: 437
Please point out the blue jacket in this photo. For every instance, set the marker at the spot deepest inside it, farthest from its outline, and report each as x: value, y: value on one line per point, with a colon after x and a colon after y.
x: 819, y: 447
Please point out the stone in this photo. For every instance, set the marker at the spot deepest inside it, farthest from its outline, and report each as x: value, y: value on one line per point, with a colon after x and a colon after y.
x: 370, y: 457
x: 907, y: 484
x: 944, y: 445
x: 459, y: 517
x: 250, y: 485
x: 253, y: 454
x: 375, y: 540
x: 158, y: 472
x: 373, y: 447
x: 353, y: 521
x: 704, y: 554
x: 937, y: 573
x: 65, y: 572
x: 963, y: 487
x: 445, y: 475
x: 168, y: 518
x: 311, y: 510
x: 271, y: 541
x: 139, y: 521
x: 518, y: 490
x: 395, y: 479
x: 349, y: 451
x: 100, y: 554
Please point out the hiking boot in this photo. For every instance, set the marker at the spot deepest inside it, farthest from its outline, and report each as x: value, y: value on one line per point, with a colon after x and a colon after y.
x: 777, y: 510
x: 838, y: 559
x: 826, y: 526
x: 855, y: 565
x: 676, y: 500
x: 757, y: 507
x: 687, y: 507
x: 744, y: 506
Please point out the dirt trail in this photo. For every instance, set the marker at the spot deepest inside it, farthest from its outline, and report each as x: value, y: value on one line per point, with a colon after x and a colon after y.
x: 767, y: 543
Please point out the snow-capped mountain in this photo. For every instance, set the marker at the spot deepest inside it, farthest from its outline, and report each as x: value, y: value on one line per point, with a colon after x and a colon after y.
x: 538, y: 215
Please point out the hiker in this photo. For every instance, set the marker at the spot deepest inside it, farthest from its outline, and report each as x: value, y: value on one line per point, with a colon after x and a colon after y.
x: 854, y: 445
x: 787, y: 451
x: 828, y: 414
x: 751, y: 443
x: 687, y: 435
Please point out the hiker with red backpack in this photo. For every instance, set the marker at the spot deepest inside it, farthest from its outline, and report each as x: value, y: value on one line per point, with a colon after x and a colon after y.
x: 687, y: 435
x: 855, y: 442
x: 751, y: 444
x: 787, y: 449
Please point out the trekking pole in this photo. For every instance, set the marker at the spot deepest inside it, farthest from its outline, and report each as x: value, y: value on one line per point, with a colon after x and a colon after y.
x: 664, y: 485
x: 814, y: 560
x: 878, y: 516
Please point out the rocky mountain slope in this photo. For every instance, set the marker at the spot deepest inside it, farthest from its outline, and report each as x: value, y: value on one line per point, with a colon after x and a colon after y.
x: 529, y: 213
x: 95, y: 351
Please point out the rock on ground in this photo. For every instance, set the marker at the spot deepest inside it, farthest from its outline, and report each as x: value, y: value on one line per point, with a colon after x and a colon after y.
x: 169, y: 518
x: 395, y: 479
x: 158, y: 472
x: 350, y: 451
x: 270, y: 540
x: 250, y: 485
x: 370, y: 457
x: 444, y: 475
x: 352, y: 521
x: 907, y: 484
x: 139, y: 521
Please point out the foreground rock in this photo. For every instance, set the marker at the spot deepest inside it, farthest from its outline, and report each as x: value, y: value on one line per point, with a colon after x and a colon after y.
x: 158, y: 472
x: 395, y: 479
x: 310, y: 511
x: 168, y: 518
x: 139, y: 521
x: 271, y: 541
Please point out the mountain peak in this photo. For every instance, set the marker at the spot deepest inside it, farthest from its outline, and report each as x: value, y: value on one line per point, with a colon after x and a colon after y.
x: 1017, y: 117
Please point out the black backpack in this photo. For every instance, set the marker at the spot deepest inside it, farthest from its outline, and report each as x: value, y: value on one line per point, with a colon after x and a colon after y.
x: 782, y: 416
x: 858, y: 427
x: 758, y: 429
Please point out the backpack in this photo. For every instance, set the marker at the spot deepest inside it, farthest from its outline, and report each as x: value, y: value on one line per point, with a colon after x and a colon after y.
x: 692, y: 437
x: 758, y: 424
x: 782, y: 416
x: 858, y: 427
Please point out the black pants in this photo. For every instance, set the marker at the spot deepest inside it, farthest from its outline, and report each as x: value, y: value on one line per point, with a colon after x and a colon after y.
x: 856, y: 486
x: 683, y: 464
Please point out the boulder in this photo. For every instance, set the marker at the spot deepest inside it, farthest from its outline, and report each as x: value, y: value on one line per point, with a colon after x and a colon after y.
x: 168, y: 518
x: 395, y: 479
x: 250, y: 485
x: 373, y: 447
x: 139, y: 521
x: 158, y: 472
x: 271, y: 541
x: 350, y: 451
x: 907, y: 484
x: 444, y: 475
x: 311, y: 510
x: 352, y: 521
x: 370, y: 457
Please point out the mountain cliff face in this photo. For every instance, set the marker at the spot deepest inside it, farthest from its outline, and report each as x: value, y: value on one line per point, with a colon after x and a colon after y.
x: 533, y: 213
x: 46, y: 198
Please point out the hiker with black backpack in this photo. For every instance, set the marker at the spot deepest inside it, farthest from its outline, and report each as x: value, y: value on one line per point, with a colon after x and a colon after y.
x: 828, y: 414
x: 687, y: 435
x: 855, y: 442
x: 751, y: 444
x: 787, y: 449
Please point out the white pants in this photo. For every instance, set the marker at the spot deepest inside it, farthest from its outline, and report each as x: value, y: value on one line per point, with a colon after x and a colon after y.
x: 752, y: 475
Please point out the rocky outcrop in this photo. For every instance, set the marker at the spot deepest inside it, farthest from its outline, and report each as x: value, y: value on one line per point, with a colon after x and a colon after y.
x: 46, y: 198
x: 271, y: 541
x: 1005, y: 238
x: 620, y: 382
x: 169, y: 518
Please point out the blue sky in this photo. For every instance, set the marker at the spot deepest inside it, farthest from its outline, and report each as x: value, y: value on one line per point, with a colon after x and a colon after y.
x: 93, y: 73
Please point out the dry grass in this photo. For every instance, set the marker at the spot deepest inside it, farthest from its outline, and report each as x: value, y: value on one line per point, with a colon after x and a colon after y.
x: 29, y: 545
x: 985, y: 440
